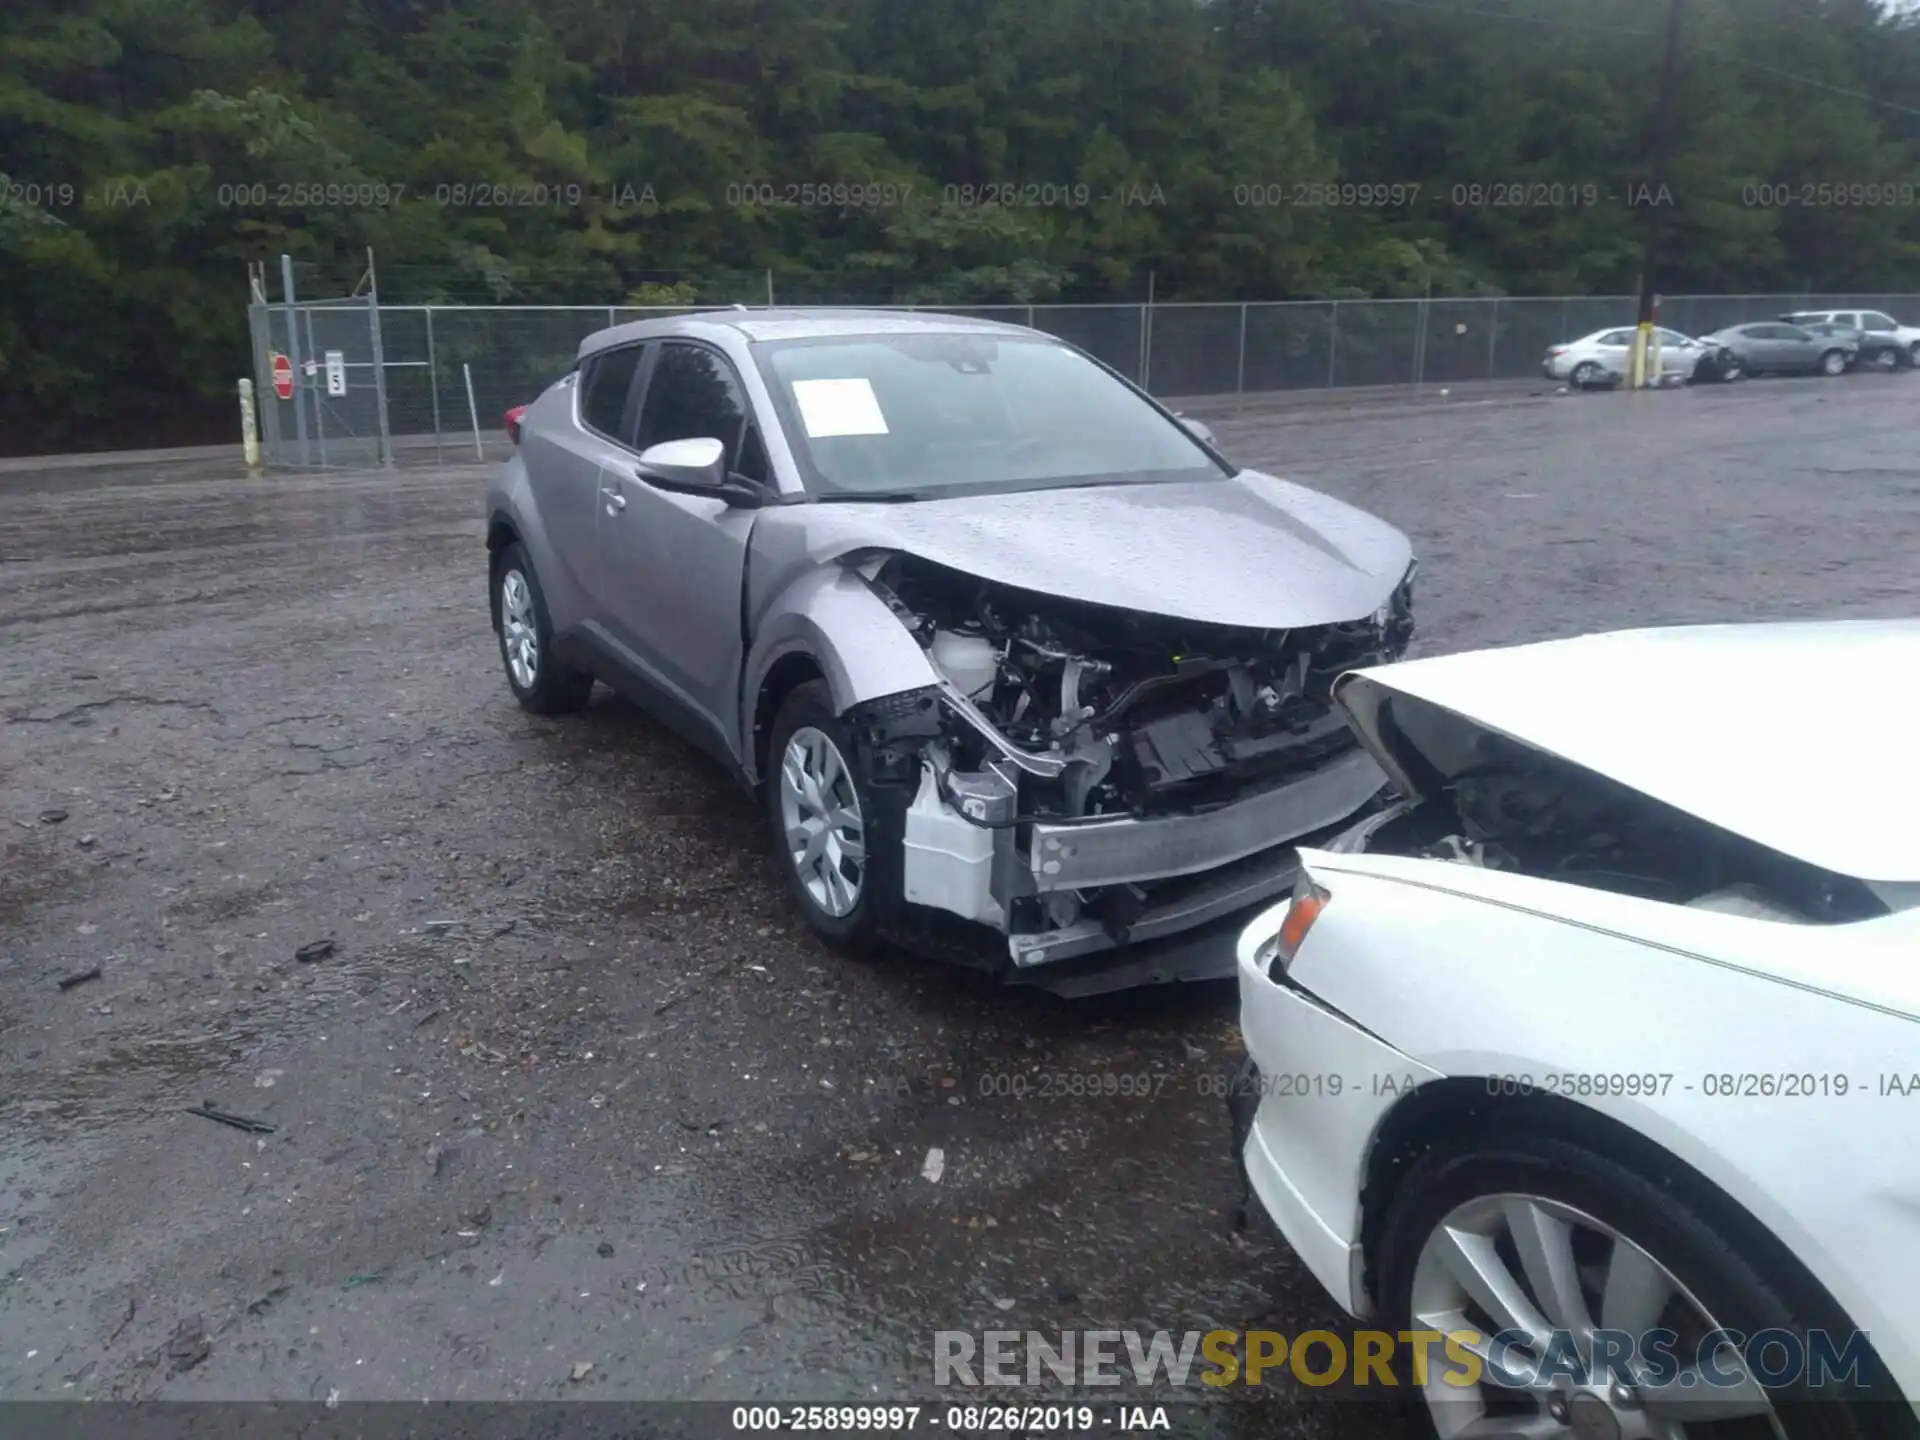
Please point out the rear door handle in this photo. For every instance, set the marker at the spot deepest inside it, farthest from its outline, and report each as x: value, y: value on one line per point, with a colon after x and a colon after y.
x: 615, y: 500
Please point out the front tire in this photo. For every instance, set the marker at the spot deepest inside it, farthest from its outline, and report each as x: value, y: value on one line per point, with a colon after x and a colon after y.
x: 1515, y: 1228
x: 830, y: 829
x: 541, y: 684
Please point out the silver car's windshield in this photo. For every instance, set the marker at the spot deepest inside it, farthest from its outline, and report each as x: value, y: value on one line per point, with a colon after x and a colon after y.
x: 930, y: 415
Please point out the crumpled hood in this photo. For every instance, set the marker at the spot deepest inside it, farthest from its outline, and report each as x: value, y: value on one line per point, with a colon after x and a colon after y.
x: 1251, y: 551
x: 1795, y: 734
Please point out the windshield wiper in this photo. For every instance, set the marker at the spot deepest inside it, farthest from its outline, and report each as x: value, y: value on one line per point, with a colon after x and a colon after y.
x: 873, y: 497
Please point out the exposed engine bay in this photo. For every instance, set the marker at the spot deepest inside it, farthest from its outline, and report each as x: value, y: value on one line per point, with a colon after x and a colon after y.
x: 1517, y: 809
x: 1088, y: 775
x: 1147, y: 715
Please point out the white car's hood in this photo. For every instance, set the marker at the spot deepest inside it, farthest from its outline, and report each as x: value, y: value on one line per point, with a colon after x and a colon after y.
x: 1798, y: 736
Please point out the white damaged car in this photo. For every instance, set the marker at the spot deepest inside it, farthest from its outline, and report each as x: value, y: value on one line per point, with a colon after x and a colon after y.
x: 1604, y: 1044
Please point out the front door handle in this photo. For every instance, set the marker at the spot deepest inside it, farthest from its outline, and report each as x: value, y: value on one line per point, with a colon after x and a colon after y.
x: 616, y: 502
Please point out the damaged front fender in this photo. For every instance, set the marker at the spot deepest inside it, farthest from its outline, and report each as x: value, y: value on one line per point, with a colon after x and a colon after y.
x: 833, y: 617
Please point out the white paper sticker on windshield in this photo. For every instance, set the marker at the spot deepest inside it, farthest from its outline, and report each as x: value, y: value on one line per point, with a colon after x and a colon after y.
x: 839, y: 407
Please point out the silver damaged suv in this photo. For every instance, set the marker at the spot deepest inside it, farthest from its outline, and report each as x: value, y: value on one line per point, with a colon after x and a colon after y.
x: 1024, y: 671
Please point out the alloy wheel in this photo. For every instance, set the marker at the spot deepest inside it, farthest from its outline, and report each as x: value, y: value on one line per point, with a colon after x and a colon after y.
x: 821, y: 819
x: 1527, y: 1264
x: 519, y: 637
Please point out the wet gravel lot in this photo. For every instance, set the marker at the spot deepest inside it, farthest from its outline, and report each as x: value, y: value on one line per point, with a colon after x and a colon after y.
x: 570, y: 1086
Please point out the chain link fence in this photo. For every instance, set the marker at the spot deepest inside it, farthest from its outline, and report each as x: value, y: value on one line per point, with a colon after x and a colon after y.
x: 377, y: 383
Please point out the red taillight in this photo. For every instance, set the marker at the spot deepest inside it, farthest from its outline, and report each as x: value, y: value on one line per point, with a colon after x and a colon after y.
x: 513, y: 423
x: 1556, y: 350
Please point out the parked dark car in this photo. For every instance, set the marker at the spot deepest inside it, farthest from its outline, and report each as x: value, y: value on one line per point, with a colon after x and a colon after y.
x: 1878, y: 350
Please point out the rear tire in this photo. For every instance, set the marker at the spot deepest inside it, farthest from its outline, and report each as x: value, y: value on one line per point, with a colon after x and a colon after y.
x: 541, y: 684
x: 1723, y: 1277
x: 1833, y: 362
x: 1886, y: 361
x: 1584, y: 374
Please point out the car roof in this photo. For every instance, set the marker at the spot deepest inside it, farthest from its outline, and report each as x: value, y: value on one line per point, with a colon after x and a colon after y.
x: 797, y: 323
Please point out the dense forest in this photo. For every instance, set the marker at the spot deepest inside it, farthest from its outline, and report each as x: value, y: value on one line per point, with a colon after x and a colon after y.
x: 915, y: 150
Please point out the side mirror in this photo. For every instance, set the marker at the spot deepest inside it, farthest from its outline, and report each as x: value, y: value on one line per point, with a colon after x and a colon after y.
x: 696, y: 467
x: 1200, y: 431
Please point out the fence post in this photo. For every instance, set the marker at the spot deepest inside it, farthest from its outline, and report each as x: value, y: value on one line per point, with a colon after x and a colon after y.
x: 1146, y: 339
x: 1030, y: 317
x: 1333, y: 341
x: 1420, y: 343
x: 611, y: 321
x: 473, y: 412
x: 293, y: 354
x: 433, y: 382
x: 1564, y: 302
x: 319, y: 420
x: 1240, y: 369
x: 770, y: 287
x: 379, y: 363
x: 1493, y: 342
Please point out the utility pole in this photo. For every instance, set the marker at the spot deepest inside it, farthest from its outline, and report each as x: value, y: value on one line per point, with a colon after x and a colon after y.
x: 1660, y: 157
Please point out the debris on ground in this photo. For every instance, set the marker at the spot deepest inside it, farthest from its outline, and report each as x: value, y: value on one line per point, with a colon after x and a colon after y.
x: 207, y: 1110
x: 188, y: 1345
x: 85, y: 842
x: 317, y: 950
x: 266, y: 1301
x: 80, y: 978
x: 581, y: 1369
x: 133, y: 1304
x: 480, y: 1218
x: 604, y: 1249
x: 52, y: 817
x: 935, y: 1165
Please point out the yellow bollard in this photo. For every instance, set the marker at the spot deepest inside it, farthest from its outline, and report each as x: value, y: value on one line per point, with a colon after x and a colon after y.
x: 249, y: 428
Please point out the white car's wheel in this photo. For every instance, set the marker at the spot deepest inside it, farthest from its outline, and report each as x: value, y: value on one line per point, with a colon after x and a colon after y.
x: 1586, y: 373
x: 1833, y: 362
x: 1555, y: 1256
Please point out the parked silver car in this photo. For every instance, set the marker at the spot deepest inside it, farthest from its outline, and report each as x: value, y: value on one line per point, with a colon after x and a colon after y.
x: 1777, y: 348
x: 1024, y: 670
x: 1608, y: 355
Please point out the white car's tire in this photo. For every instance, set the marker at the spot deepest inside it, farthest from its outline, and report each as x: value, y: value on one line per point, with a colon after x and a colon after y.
x: 1511, y: 1204
x: 1585, y: 373
x: 1833, y: 362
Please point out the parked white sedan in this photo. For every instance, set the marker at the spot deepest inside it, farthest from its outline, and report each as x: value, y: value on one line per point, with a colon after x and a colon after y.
x: 1603, y: 1042
x: 1593, y: 358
